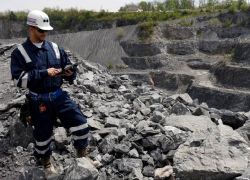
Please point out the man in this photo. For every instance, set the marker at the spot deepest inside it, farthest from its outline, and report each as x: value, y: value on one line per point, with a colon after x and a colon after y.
x: 34, y: 65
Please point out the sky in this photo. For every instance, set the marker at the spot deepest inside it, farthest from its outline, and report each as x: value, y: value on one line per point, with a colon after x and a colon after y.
x: 96, y: 5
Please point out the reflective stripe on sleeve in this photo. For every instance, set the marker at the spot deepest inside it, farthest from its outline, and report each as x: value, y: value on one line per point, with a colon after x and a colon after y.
x: 81, y: 137
x: 25, y: 81
x: 77, y: 128
x: 24, y: 53
x: 44, y: 142
x: 56, y: 49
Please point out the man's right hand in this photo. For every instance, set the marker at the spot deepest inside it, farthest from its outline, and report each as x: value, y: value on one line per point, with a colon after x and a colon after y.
x: 53, y: 71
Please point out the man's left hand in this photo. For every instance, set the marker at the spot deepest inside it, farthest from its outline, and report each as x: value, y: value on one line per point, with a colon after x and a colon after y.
x: 68, y: 73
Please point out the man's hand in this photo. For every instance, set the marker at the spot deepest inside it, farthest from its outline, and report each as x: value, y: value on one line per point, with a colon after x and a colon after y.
x: 68, y: 73
x: 53, y: 71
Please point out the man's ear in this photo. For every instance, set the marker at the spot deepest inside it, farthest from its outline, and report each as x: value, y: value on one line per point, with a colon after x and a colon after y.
x: 31, y: 29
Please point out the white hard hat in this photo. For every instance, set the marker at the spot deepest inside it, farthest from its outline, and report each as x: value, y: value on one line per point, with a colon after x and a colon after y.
x: 39, y: 19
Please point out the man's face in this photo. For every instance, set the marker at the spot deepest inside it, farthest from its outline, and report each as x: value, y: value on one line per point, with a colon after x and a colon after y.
x: 39, y: 34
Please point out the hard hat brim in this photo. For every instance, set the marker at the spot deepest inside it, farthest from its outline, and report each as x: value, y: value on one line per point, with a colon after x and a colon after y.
x: 48, y: 28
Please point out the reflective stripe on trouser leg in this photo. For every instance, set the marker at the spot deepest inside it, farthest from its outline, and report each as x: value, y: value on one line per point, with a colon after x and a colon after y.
x: 74, y: 120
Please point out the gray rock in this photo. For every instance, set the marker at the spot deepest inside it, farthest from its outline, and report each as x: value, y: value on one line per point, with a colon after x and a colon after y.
x: 145, y: 111
x: 234, y: 120
x: 93, y: 123
x: 148, y: 171
x: 31, y: 147
x: 121, y: 133
x: 151, y: 142
x: 139, y: 116
x: 147, y: 159
x: 182, y: 47
x: 135, y: 174
x: 127, y: 164
x: 95, y: 139
x: 32, y: 174
x: 138, y: 105
x: 156, y: 154
x: 106, y: 146
x: 133, y: 48
x: 124, y: 77
x: 19, y: 135
x: 60, y: 138
x: 107, y: 158
x: 82, y: 169
x: 133, y: 153
x: 225, y: 157
x: 165, y: 173
x: 141, y: 126
x: 245, y: 175
x: 156, y: 107
x: 148, y: 131
x: 209, y: 36
x: 157, y: 117
x: 112, y: 122
x: 179, y: 109
x: 106, y: 131
x: 122, y: 148
x: 179, y: 33
x: 155, y: 98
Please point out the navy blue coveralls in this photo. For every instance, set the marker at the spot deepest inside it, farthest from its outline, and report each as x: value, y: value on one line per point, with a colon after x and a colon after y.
x: 32, y: 74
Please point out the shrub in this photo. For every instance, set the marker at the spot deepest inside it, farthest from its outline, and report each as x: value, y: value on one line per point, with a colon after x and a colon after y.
x: 146, y: 30
x: 232, y: 54
x: 167, y: 23
x: 214, y: 23
x: 244, y: 7
x: 110, y: 65
x: 121, y: 32
x: 184, y: 22
x: 232, y: 9
x: 199, y: 36
x: 227, y: 23
x: 223, y: 53
x: 239, y: 22
x: 192, y: 22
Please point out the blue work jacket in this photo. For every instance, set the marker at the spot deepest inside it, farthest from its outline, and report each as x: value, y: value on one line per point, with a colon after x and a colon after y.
x: 34, y: 75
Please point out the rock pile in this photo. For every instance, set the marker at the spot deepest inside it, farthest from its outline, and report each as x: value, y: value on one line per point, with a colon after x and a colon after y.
x: 137, y: 132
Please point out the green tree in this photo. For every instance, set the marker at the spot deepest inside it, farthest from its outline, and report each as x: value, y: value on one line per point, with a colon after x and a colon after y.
x: 143, y: 5
x: 13, y: 16
x: 240, y: 3
x: 170, y: 5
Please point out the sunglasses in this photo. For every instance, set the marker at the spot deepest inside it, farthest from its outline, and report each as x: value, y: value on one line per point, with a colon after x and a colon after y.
x: 40, y: 30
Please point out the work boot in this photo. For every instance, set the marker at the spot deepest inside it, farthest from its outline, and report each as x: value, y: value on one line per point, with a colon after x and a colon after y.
x: 49, y: 170
x: 83, y: 153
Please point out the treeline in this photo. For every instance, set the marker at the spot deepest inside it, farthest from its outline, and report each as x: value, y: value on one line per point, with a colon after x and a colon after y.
x: 152, y: 11
x: 70, y: 17
x: 173, y: 5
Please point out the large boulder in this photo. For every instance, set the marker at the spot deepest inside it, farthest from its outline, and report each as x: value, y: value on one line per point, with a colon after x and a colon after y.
x: 32, y: 174
x: 172, y: 81
x: 19, y: 134
x: 82, y: 169
x: 148, y: 62
x: 179, y: 33
x: 214, y: 152
x: 182, y: 47
x: 135, y: 48
x: 217, y: 46
x: 231, y: 75
x: 210, y: 36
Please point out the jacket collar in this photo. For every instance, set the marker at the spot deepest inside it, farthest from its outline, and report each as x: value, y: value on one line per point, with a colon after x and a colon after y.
x: 45, y: 45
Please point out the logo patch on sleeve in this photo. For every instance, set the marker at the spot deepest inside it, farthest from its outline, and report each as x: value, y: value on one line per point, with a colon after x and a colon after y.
x: 31, y: 21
